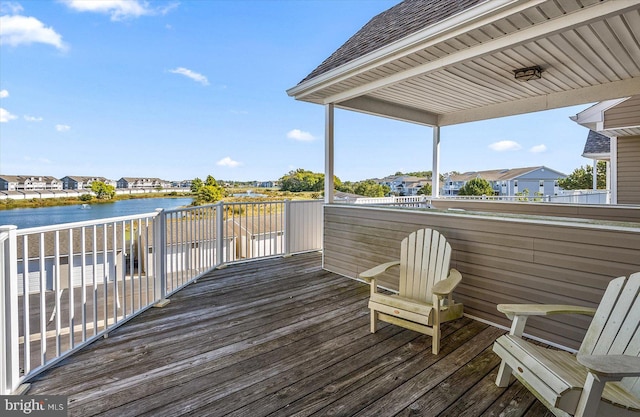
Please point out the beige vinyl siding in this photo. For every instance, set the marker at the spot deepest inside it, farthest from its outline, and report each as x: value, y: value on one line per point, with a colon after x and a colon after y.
x: 502, y: 261
x: 625, y: 114
x: 628, y: 170
x: 584, y: 211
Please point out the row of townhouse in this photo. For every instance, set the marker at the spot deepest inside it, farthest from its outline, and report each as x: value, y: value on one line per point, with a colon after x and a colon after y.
x: 509, y: 182
x: 39, y: 182
x: 404, y: 185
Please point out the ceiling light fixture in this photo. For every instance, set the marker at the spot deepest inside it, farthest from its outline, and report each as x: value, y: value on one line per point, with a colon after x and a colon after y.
x: 528, y: 74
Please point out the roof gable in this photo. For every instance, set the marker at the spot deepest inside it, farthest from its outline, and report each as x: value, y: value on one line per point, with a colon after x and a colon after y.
x: 391, y: 25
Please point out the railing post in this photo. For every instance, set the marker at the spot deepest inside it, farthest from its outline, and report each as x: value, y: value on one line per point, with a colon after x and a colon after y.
x: 160, y: 257
x: 287, y: 227
x: 220, y: 234
x: 10, y: 361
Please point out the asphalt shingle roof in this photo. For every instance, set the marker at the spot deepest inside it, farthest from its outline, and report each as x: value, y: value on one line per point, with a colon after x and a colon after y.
x: 400, y: 21
x: 596, y: 144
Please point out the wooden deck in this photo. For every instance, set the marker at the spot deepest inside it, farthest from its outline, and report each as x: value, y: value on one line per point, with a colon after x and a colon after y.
x: 282, y: 337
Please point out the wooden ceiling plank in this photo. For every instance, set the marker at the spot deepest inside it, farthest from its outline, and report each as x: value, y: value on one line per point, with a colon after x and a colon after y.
x: 613, y: 44
x: 561, y: 65
x: 594, y: 42
x: 550, y: 10
x: 623, y: 31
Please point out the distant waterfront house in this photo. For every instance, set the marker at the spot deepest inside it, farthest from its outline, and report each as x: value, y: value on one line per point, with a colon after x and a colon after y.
x: 618, y: 121
x: 404, y: 185
x: 9, y: 182
x: 509, y: 182
x: 133, y: 182
x: 80, y: 183
x: 265, y: 184
x: 28, y: 182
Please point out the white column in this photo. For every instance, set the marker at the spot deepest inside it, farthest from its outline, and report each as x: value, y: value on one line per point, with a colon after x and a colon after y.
x: 328, y: 154
x: 595, y: 174
x: 613, y: 165
x: 435, y: 170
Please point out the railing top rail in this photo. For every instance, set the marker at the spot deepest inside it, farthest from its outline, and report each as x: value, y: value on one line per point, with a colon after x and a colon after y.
x: 65, y: 226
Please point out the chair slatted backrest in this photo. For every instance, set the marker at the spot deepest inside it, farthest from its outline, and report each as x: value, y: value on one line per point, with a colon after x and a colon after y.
x: 424, y: 260
x: 615, y: 328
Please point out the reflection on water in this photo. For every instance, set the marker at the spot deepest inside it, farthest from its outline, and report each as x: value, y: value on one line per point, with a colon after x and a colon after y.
x: 44, y: 216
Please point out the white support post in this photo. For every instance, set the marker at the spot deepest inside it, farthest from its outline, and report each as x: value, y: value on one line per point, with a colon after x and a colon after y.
x: 328, y: 153
x: 435, y: 170
x: 160, y: 257
x: 613, y: 165
x: 10, y: 360
x: 220, y: 235
x: 595, y: 174
x: 287, y: 228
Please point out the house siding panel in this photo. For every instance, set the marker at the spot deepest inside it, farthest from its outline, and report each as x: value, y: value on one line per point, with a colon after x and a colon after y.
x: 502, y: 261
x: 628, y: 167
x: 624, y: 114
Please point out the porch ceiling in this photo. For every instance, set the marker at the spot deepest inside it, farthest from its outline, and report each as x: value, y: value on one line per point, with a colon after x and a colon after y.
x: 461, y: 69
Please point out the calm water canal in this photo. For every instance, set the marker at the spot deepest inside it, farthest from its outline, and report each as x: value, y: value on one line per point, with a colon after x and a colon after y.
x: 44, y: 216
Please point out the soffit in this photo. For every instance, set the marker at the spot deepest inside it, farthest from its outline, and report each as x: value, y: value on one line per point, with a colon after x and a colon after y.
x: 589, y: 51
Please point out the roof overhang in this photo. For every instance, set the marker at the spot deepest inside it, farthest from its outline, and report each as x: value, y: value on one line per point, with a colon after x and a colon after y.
x: 462, y: 68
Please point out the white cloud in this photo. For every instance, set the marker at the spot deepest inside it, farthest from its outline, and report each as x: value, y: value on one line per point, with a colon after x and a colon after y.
x: 5, y: 116
x: 505, y: 145
x: 32, y: 118
x: 4, y: 94
x: 297, y: 134
x: 538, y: 148
x: 10, y: 7
x: 228, y: 162
x: 63, y: 128
x: 118, y: 9
x: 22, y: 30
x: 190, y: 74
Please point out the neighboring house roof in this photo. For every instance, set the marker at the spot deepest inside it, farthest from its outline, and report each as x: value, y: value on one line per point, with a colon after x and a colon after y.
x: 10, y: 178
x: 85, y: 178
x: 597, y: 145
x: 498, y: 174
x: 389, y: 26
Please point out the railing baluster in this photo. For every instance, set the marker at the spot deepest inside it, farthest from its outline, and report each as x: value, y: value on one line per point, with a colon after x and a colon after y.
x: 83, y: 281
x: 26, y: 290
x: 43, y: 306
x: 58, y: 290
x: 71, y: 286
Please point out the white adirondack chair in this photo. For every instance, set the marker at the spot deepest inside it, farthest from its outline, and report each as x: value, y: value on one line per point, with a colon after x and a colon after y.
x: 424, y: 300
x: 602, y: 379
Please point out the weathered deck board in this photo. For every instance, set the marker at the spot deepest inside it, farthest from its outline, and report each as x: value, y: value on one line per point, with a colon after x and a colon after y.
x: 282, y: 337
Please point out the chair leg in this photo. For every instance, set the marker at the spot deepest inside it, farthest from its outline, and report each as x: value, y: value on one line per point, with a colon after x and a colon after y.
x: 435, y: 339
x: 504, y: 375
x: 590, y: 398
x: 374, y: 321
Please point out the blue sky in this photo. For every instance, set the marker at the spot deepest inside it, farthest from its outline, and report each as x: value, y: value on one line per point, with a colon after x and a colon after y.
x: 184, y: 89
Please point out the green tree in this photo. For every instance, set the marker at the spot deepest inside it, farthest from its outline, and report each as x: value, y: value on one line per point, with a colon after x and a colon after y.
x: 582, y: 178
x: 196, y: 184
x: 303, y: 180
x: 370, y: 188
x: 211, y: 181
x: 425, y: 190
x: 476, y: 186
x: 103, y: 191
x: 208, y: 194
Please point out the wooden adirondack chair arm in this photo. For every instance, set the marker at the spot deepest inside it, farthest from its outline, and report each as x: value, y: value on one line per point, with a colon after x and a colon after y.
x: 446, y: 286
x: 377, y: 270
x: 513, y: 310
x: 611, y: 367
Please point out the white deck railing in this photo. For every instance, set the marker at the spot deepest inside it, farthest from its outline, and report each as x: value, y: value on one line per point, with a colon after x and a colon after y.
x: 66, y: 285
